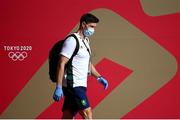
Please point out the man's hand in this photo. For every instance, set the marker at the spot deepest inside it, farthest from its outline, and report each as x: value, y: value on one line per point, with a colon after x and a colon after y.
x: 103, y: 82
x: 58, y: 93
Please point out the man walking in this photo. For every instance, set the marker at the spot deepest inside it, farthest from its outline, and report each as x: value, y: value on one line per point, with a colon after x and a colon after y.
x: 72, y: 81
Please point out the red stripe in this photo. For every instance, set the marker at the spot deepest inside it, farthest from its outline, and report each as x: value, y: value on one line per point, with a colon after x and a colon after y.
x: 112, y: 71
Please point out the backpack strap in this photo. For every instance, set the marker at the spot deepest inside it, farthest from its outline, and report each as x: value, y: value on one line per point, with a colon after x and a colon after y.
x: 77, y: 45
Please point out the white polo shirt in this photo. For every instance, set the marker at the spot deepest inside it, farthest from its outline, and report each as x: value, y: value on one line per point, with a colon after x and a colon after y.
x: 80, y: 62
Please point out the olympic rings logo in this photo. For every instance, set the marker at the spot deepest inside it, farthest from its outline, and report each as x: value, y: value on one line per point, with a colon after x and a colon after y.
x: 17, y: 55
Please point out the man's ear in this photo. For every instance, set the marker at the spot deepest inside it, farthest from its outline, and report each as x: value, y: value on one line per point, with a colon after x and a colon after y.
x: 83, y: 24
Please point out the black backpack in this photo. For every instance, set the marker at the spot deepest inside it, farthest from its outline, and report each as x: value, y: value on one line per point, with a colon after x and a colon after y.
x: 54, y: 56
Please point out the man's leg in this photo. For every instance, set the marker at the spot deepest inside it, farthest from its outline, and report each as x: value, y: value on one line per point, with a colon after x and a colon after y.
x: 67, y: 114
x: 86, y: 113
x: 82, y: 102
x: 68, y: 106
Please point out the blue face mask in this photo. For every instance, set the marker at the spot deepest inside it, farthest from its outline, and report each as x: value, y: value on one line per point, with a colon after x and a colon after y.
x: 89, y: 31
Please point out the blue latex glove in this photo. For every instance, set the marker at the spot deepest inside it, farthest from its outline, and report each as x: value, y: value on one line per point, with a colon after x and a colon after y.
x: 103, y: 82
x: 58, y: 93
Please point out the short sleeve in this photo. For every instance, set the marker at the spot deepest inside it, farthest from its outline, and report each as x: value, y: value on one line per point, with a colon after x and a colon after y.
x: 68, y: 47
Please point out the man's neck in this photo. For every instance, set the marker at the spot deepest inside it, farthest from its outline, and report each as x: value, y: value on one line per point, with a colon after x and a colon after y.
x: 80, y: 32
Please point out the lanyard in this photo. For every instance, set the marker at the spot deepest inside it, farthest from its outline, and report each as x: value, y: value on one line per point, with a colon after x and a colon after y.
x: 89, y: 67
x: 87, y: 48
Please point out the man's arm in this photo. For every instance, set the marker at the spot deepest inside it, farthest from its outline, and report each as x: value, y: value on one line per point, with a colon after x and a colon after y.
x: 60, y: 71
x: 100, y: 79
x: 94, y: 72
x: 65, y: 54
x: 58, y: 93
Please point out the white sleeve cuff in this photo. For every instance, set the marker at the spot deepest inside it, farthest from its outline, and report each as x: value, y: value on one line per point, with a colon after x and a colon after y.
x: 66, y: 55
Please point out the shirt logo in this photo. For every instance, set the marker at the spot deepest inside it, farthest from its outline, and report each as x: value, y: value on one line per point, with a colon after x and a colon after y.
x: 83, y: 102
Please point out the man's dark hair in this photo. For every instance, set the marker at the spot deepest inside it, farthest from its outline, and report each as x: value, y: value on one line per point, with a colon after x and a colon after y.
x: 88, y: 18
